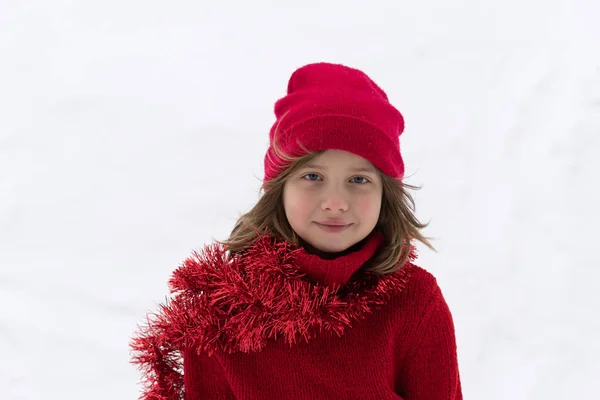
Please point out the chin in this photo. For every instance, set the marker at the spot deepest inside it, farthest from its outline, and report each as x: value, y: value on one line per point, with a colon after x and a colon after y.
x: 330, y: 245
x: 332, y: 249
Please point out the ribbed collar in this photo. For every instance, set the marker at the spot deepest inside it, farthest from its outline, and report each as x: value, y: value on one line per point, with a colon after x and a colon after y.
x: 337, y: 272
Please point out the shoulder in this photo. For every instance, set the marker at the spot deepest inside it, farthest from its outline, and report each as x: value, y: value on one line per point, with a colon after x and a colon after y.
x: 200, y: 268
x: 420, y: 284
x: 421, y: 293
x: 420, y: 306
x: 420, y: 277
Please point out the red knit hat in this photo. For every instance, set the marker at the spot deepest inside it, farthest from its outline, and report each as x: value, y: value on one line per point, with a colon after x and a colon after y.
x: 331, y: 106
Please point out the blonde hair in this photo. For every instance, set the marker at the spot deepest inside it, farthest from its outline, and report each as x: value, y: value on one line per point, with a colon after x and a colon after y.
x: 397, y: 221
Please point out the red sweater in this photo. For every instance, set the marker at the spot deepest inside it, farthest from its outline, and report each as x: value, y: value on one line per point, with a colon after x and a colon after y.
x: 279, y: 323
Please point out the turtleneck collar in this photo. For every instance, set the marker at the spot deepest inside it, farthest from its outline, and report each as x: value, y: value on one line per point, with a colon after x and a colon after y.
x: 336, y: 272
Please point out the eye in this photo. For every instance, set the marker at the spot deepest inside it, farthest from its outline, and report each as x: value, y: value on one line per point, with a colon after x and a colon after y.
x: 360, y: 180
x: 311, y: 177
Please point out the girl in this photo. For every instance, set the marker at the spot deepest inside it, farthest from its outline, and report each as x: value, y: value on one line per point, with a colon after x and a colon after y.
x: 315, y: 295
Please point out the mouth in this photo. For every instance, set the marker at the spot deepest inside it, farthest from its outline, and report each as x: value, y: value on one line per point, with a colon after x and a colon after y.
x: 333, y: 226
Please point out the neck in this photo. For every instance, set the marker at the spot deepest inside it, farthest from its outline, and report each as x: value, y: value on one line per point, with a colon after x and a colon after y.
x: 329, y: 255
x: 335, y: 269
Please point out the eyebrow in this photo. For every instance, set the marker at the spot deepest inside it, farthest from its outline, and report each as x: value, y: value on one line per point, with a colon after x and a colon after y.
x: 356, y: 169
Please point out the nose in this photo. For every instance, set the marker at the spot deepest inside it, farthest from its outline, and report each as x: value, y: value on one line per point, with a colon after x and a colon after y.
x: 334, y: 200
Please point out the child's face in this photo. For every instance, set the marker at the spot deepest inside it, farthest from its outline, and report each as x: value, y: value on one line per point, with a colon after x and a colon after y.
x: 333, y: 202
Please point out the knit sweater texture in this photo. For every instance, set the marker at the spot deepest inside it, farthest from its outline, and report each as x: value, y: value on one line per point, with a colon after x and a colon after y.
x: 279, y: 323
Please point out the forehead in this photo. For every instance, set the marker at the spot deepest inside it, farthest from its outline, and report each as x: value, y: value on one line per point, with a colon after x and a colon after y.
x: 341, y: 159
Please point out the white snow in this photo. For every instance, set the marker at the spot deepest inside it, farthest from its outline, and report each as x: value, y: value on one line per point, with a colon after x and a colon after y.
x: 132, y: 132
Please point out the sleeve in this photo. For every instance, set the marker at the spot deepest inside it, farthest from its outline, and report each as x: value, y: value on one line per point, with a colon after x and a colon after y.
x: 204, y: 377
x: 171, y: 369
x: 430, y: 368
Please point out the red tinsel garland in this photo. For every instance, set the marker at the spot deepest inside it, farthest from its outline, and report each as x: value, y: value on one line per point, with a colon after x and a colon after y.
x: 238, y: 303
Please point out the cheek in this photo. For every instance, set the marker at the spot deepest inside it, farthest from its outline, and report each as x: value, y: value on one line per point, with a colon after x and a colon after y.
x: 369, y: 206
x: 297, y: 203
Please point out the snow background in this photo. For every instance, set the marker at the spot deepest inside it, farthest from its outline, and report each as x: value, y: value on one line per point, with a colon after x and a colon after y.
x: 132, y: 132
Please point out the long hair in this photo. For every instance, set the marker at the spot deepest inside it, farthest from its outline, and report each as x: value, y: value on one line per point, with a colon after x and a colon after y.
x: 397, y: 220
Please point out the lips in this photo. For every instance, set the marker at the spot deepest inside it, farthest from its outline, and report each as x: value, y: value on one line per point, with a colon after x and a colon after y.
x: 337, y: 225
x: 333, y: 222
x: 333, y: 226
